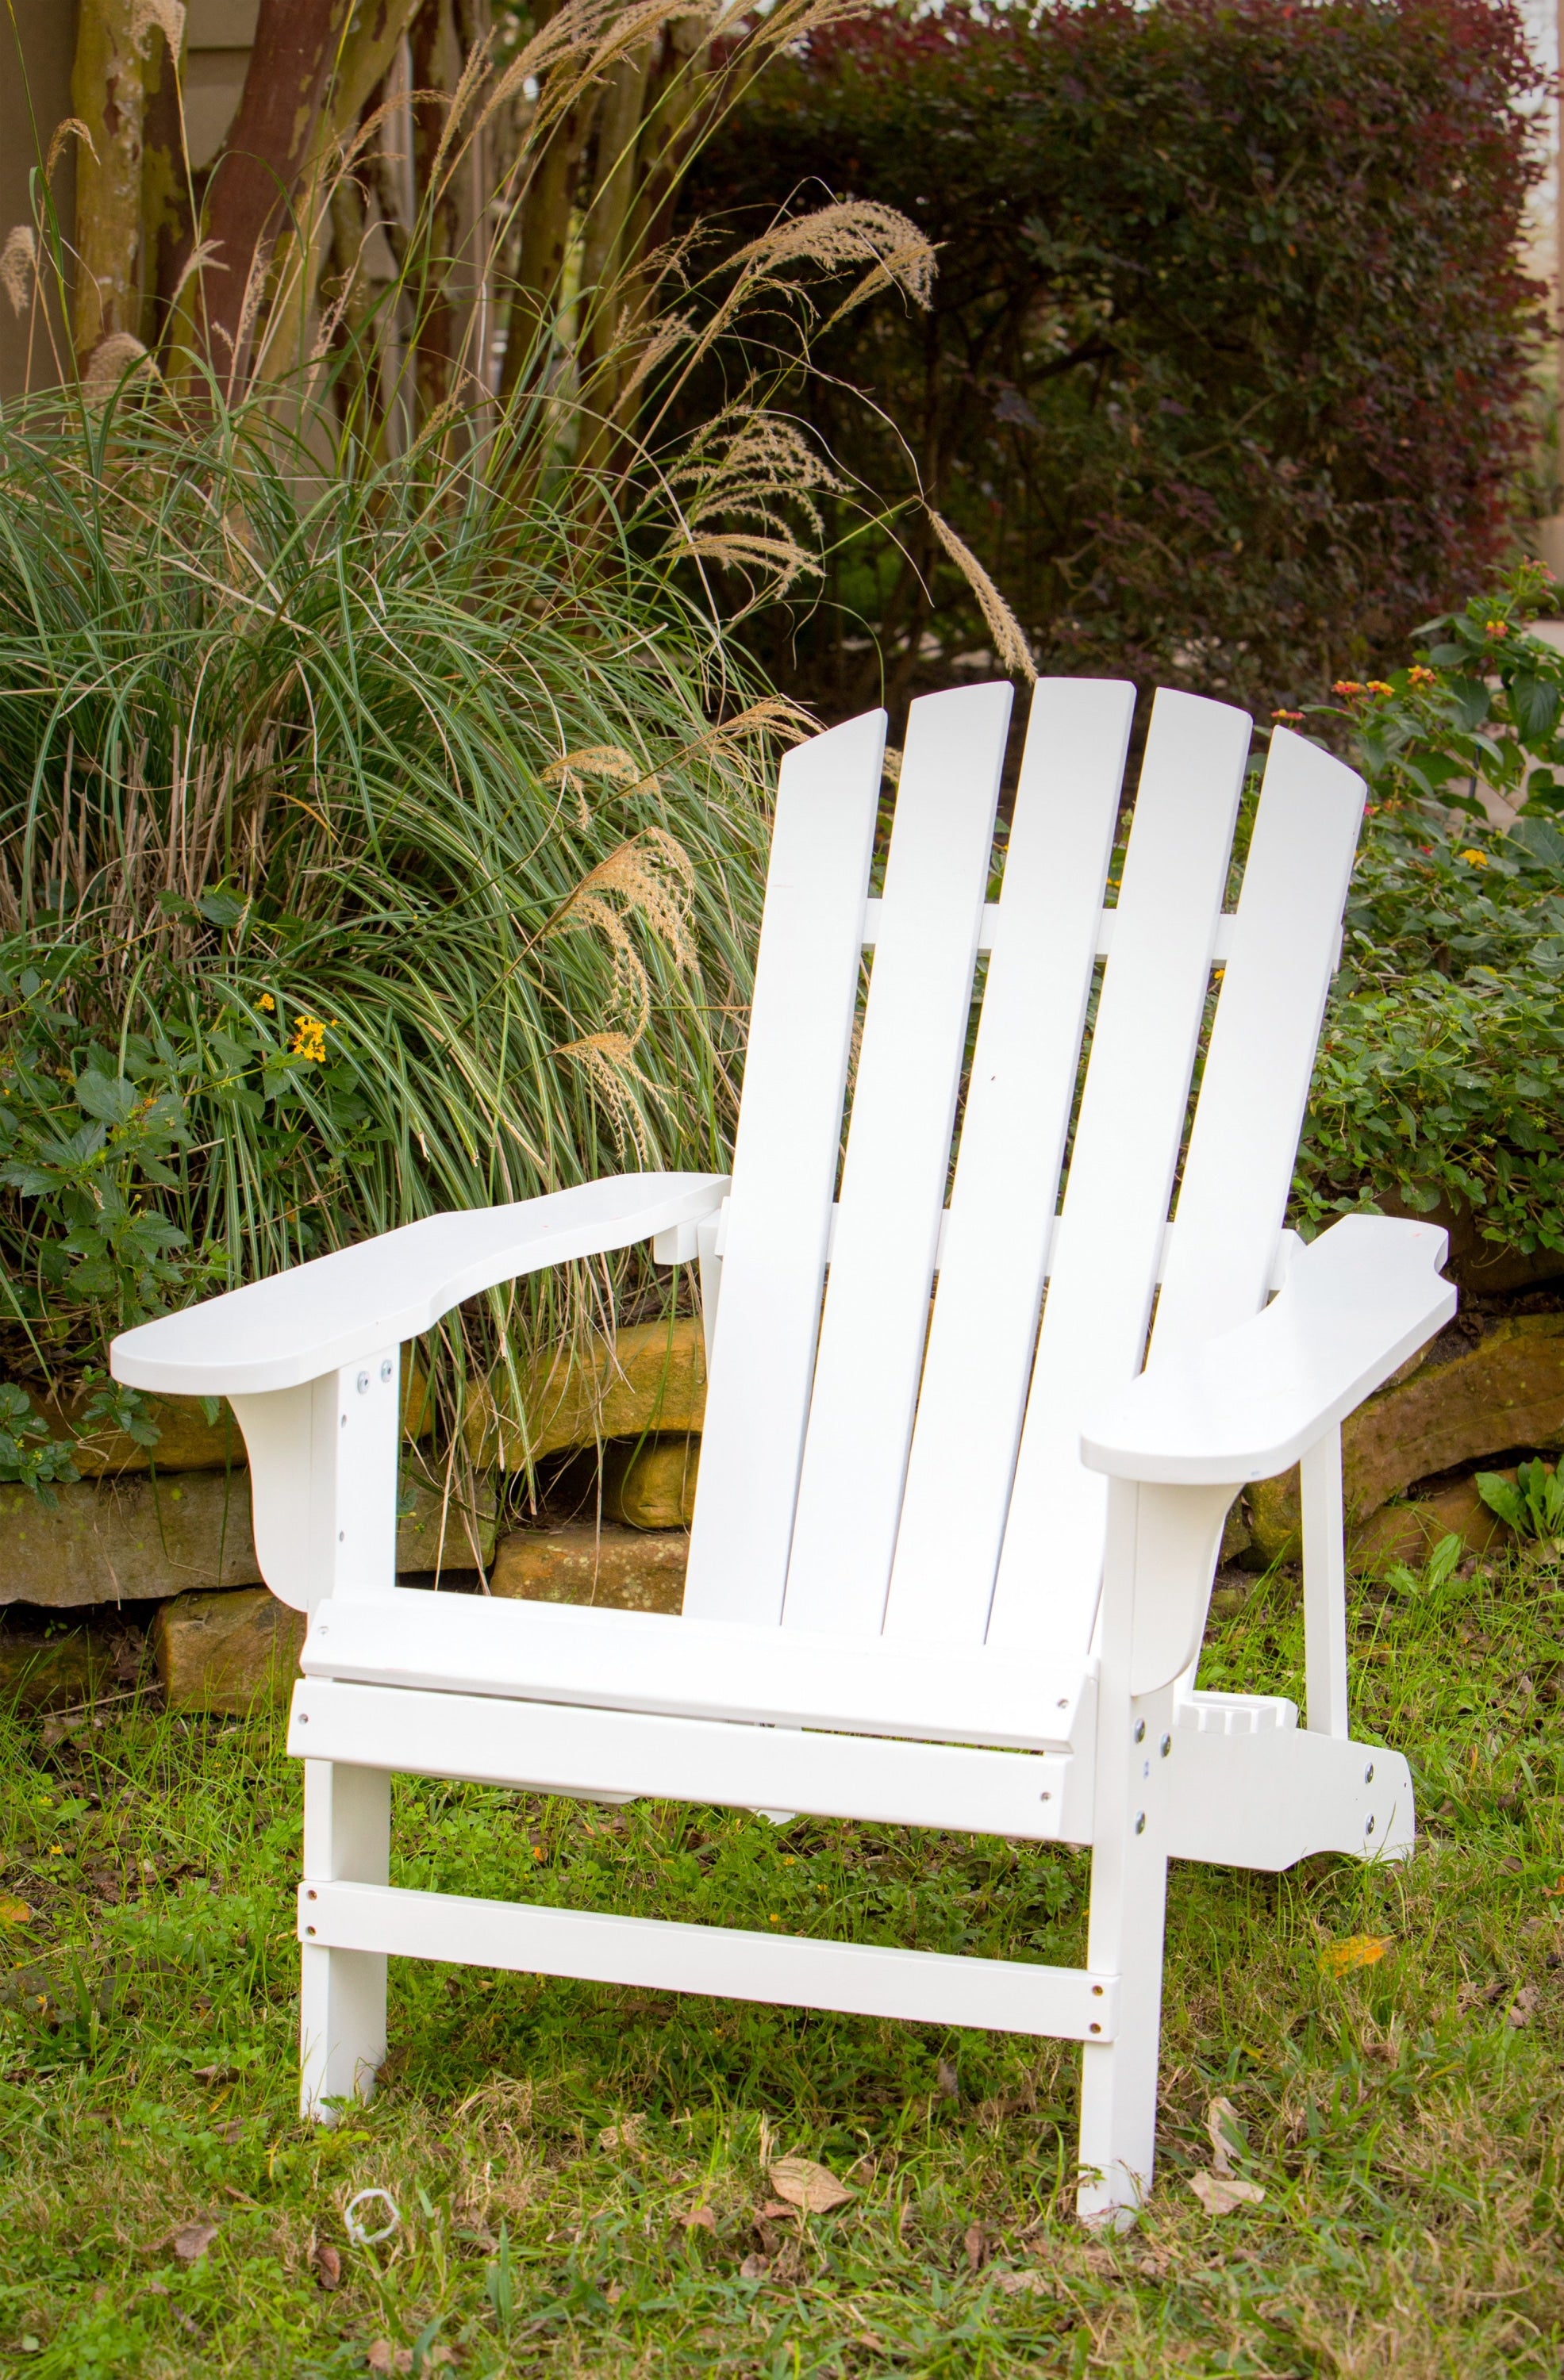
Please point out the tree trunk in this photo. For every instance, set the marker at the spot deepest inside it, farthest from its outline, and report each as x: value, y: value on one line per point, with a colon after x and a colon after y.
x: 250, y: 196
x: 107, y: 91
x: 166, y: 193
x: 435, y: 75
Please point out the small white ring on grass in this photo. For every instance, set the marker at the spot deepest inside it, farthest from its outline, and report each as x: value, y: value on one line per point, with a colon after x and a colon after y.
x: 355, y: 2230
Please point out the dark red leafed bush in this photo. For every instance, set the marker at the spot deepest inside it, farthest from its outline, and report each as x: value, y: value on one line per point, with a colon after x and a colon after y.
x: 1226, y: 376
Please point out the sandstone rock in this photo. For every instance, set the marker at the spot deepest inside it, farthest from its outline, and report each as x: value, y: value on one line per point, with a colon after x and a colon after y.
x: 233, y: 1653
x: 1485, y: 1385
x: 112, y: 1541
x: 617, y: 1569
x: 651, y: 1378
x: 1237, y: 1534
x: 1409, y: 1532
x: 650, y: 1484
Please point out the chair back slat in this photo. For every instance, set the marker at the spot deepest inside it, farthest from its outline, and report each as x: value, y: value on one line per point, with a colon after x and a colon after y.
x: 1261, y: 1057
x: 1012, y: 1136
x: 783, y: 1173
x: 1111, y: 1233
x: 897, y: 1163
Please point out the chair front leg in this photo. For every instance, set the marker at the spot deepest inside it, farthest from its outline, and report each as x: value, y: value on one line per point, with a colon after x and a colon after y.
x: 1134, y: 1760
x: 1325, y: 1587
x: 342, y: 1993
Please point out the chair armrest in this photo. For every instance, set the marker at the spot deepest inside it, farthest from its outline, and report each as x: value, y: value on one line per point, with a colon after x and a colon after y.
x: 1246, y: 1405
x: 284, y: 1332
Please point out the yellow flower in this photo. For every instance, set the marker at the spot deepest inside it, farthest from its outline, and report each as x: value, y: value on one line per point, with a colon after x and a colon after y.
x: 308, y: 1041
x: 1495, y: 628
x: 1288, y: 717
x: 1377, y: 686
x: 266, y: 1000
x: 1420, y: 676
x: 1475, y: 858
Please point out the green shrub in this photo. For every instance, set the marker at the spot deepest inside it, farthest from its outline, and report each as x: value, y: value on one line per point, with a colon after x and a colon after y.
x: 1441, y: 1072
x: 1227, y: 375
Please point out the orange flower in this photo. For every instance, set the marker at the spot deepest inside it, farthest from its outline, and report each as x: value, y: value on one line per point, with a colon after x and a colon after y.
x: 1288, y: 717
x: 1495, y: 628
x: 1377, y: 686
x: 1420, y: 676
x: 1347, y: 687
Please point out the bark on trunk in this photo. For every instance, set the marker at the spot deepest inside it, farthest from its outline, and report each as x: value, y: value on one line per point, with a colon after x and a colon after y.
x: 108, y: 96
x: 253, y: 183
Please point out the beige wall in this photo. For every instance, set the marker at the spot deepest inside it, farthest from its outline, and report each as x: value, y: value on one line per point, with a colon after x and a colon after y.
x: 217, y: 37
x: 34, y: 90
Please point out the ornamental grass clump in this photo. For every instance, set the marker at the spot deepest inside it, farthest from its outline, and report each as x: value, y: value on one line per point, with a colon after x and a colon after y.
x: 366, y: 849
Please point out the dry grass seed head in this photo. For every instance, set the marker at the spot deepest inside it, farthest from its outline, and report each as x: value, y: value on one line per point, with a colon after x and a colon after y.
x: 110, y: 359
x: 777, y: 560
x: 654, y: 877
x: 608, y: 1059
x: 848, y: 231
x: 773, y: 717
x: 18, y: 262
x: 1010, y: 643
x: 606, y: 760
x: 748, y: 461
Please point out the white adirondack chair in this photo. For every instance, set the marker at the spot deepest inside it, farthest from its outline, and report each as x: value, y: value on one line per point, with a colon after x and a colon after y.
x: 947, y: 1574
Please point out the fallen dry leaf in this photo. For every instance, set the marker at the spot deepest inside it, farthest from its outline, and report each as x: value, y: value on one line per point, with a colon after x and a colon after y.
x: 1037, y: 2285
x: 754, y: 2268
x: 1520, y: 2009
x: 1219, y: 2193
x: 1357, y: 1951
x: 774, y: 2208
x: 1222, y: 2129
x: 624, y: 2134
x: 803, y: 2184
x: 231, y: 2133
x: 326, y: 2264
x: 13, y: 1912
x: 975, y: 2240
x: 192, y: 2241
x: 948, y: 2080
x: 699, y: 2218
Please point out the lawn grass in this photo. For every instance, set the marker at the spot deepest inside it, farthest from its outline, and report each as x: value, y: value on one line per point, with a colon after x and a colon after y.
x: 546, y: 2142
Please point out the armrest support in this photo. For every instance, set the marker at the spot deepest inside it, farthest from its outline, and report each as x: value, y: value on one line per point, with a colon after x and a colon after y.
x: 341, y: 1309
x: 1246, y: 1405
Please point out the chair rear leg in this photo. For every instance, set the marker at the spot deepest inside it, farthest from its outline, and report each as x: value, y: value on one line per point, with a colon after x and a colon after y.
x: 342, y: 1993
x: 1125, y: 1938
